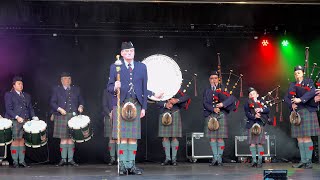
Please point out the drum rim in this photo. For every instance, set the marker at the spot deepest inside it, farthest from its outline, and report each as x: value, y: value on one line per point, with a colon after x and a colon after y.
x: 6, y: 143
x: 10, y: 124
x: 82, y: 141
x: 80, y: 126
x: 35, y: 132
x: 36, y: 146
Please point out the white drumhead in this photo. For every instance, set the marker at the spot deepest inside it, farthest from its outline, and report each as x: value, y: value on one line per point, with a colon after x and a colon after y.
x: 5, y: 123
x: 164, y: 76
x: 78, y: 122
x: 34, y: 126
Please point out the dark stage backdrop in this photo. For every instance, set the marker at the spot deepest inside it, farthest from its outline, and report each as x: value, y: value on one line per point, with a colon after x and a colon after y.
x: 40, y: 60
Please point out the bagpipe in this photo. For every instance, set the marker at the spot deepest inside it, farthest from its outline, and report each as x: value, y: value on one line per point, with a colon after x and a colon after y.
x: 222, y: 93
x: 264, y: 101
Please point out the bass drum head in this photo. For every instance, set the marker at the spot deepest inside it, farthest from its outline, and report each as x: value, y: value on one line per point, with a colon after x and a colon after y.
x: 164, y: 76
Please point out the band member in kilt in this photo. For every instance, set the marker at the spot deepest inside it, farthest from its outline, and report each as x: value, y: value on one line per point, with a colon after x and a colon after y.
x: 108, y: 101
x: 298, y: 99
x: 133, y: 94
x: 254, y: 110
x: 219, y: 110
x: 19, y: 109
x: 66, y: 101
x: 170, y: 125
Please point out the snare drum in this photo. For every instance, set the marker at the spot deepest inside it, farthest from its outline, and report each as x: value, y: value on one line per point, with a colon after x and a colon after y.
x: 5, y: 131
x: 80, y: 129
x: 35, y: 134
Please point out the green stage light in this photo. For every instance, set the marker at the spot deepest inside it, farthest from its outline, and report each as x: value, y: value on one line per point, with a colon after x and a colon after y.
x: 285, y: 43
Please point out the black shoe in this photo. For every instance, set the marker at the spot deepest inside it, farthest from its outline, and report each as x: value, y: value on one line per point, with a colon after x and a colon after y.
x: 72, y: 163
x: 259, y: 165
x: 62, y: 162
x: 15, y: 164
x: 308, y: 165
x: 135, y: 170
x: 174, y: 163
x: 213, y: 162
x: 112, y: 162
x: 253, y: 164
x: 300, y: 165
x: 166, y: 162
x: 23, y: 164
x: 122, y: 170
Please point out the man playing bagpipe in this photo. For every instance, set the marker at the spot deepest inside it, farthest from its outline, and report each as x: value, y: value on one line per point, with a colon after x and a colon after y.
x: 170, y: 124
x: 217, y: 105
x: 303, y: 118
x: 257, y: 114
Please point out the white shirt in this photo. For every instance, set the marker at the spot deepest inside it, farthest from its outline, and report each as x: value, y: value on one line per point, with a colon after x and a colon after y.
x: 132, y: 64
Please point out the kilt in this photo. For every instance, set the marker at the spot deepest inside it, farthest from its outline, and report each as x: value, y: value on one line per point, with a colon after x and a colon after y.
x: 252, y: 139
x: 309, y: 125
x: 107, y: 126
x: 222, y: 132
x: 17, y: 129
x: 174, y: 129
x: 61, y: 129
x: 128, y: 129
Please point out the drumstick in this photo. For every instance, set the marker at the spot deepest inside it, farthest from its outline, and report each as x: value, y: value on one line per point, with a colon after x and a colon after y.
x: 118, y: 63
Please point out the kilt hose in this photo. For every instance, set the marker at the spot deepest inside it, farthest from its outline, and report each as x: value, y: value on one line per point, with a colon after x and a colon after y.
x: 61, y: 129
x: 172, y: 130
x: 128, y: 129
x: 309, y: 125
x: 222, y: 132
x: 256, y: 139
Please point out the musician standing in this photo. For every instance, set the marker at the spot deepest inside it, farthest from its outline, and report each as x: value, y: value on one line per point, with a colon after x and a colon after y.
x: 219, y: 110
x: 133, y: 88
x: 108, y: 101
x: 66, y: 101
x: 173, y: 130
x: 309, y: 125
x: 19, y: 109
x: 254, y: 110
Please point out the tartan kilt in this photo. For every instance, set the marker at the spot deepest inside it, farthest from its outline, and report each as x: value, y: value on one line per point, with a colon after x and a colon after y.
x: 309, y: 125
x: 107, y: 126
x: 253, y: 139
x: 222, y: 132
x: 17, y: 129
x: 61, y: 129
x: 174, y: 129
x: 128, y: 129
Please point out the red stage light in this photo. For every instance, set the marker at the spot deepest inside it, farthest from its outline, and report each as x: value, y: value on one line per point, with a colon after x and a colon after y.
x: 265, y: 42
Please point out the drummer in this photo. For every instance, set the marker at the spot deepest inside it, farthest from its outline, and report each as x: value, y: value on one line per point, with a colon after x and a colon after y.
x: 66, y: 101
x: 19, y: 109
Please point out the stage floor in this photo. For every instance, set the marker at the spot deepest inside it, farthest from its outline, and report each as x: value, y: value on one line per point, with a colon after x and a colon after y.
x: 153, y: 171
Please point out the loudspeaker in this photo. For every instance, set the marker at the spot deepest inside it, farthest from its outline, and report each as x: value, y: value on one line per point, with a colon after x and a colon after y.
x: 275, y: 174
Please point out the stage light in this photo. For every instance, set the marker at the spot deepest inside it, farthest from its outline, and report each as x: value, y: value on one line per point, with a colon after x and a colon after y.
x: 285, y: 43
x: 265, y: 42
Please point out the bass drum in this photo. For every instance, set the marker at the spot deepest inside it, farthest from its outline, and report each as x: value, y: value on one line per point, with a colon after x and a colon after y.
x: 164, y: 76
